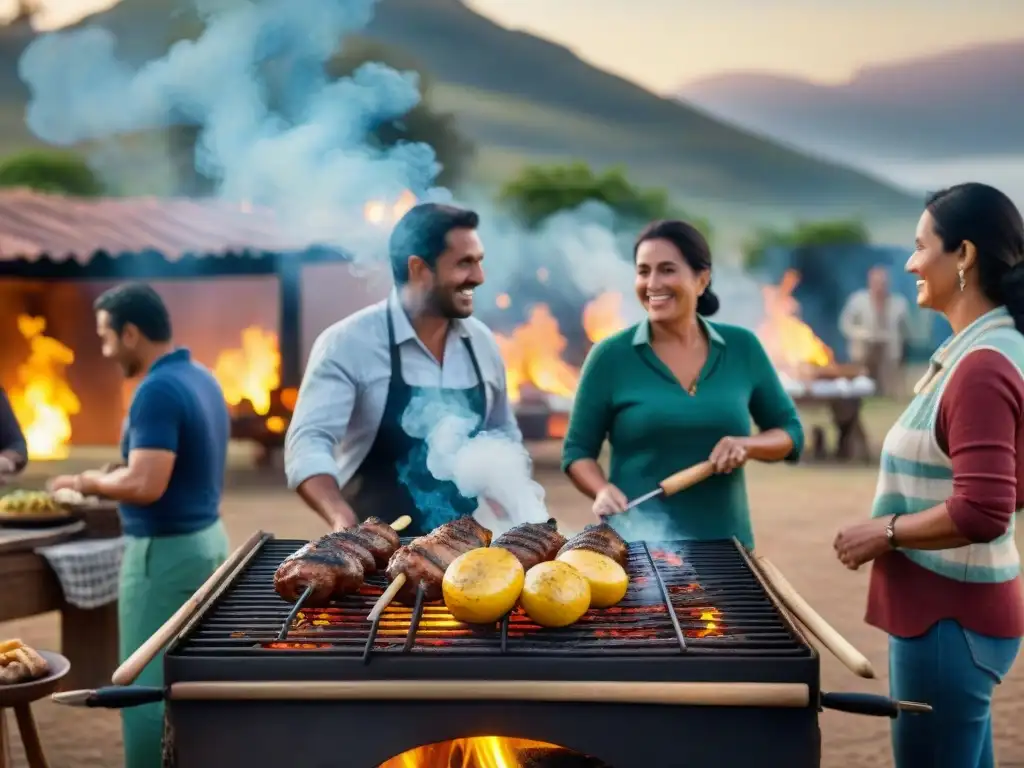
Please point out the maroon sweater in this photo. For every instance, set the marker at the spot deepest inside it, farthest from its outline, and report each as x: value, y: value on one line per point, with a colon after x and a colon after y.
x: 980, y: 427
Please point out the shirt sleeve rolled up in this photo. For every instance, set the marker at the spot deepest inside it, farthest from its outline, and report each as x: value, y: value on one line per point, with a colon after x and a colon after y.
x: 322, y: 411
x: 771, y: 407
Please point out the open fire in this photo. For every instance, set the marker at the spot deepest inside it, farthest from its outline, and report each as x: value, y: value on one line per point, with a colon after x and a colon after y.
x: 251, y: 372
x: 478, y: 752
x: 43, y: 401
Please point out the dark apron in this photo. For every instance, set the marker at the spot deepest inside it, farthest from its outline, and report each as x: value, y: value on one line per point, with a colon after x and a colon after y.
x: 376, y: 488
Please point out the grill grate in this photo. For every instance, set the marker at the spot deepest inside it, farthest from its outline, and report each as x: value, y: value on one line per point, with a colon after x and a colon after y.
x: 719, y: 608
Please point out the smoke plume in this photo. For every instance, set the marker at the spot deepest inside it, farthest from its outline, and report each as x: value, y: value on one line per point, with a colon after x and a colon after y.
x: 305, y: 154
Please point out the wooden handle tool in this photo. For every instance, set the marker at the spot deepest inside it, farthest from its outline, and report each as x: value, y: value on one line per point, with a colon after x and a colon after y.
x: 680, y: 481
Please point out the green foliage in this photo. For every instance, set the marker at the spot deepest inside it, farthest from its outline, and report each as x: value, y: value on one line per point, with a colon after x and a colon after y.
x: 805, y: 235
x: 45, y: 171
x: 423, y: 123
x: 541, y: 191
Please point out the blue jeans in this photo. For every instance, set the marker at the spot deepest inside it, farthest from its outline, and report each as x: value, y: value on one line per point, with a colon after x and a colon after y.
x: 955, y: 670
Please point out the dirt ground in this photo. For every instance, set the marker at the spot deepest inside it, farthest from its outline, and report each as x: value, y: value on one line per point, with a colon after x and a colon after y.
x: 796, y: 511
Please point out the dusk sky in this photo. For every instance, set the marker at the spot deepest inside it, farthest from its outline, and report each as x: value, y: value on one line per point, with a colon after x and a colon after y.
x: 664, y: 43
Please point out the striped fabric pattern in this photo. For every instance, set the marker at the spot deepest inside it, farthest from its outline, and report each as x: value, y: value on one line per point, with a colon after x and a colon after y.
x: 916, y: 474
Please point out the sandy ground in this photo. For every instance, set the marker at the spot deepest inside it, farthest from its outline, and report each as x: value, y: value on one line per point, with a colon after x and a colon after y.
x: 796, y: 510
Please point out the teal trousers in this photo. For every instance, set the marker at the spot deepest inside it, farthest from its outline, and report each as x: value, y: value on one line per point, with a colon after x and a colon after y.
x: 157, y: 576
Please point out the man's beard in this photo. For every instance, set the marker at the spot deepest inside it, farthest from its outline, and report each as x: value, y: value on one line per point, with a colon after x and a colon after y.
x: 441, y: 301
x: 131, y: 368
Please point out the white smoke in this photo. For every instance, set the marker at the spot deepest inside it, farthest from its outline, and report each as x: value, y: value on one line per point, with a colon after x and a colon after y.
x: 308, y: 159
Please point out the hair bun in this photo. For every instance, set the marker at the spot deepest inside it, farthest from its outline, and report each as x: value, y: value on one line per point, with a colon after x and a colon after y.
x: 708, y: 303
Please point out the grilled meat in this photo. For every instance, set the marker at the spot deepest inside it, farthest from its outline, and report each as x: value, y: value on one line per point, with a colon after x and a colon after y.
x: 425, y: 559
x: 532, y: 543
x: 336, y: 564
x: 600, y: 538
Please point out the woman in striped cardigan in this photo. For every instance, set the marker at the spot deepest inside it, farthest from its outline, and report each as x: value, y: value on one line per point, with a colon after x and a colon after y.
x: 945, y: 581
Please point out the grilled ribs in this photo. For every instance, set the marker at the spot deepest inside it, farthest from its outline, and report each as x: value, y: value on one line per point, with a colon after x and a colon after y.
x: 600, y: 538
x: 532, y: 543
x: 336, y: 564
x: 425, y: 559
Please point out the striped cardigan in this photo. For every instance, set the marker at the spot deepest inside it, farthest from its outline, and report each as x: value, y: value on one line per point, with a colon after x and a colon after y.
x: 916, y: 474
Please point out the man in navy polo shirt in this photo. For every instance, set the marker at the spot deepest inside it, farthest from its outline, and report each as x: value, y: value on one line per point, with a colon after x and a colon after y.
x: 174, y: 447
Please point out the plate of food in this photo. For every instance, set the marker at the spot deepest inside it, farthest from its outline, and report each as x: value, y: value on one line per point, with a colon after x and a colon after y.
x: 32, y: 509
x: 27, y: 674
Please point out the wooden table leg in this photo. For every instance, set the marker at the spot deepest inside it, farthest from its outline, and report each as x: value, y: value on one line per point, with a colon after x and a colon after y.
x: 5, y: 741
x: 30, y: 737
x: 88, y: 638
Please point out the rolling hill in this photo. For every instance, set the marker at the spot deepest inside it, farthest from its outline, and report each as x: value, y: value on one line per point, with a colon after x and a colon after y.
x: 964, y: 103
x: 523, y: 99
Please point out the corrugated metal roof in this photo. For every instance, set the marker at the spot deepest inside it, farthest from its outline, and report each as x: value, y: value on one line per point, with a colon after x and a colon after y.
x: 33, y: 224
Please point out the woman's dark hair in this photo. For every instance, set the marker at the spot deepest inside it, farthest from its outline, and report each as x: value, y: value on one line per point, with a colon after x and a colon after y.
x: 694, y: 249
x: 990, y: 220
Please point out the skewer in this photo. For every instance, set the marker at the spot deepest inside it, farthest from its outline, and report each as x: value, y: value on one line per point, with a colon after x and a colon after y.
x: 417, y: 614
x: 287, y: 627
x: 400, y: 524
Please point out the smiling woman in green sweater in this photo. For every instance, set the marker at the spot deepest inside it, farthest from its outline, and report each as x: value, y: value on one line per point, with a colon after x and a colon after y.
x: 673, y: 391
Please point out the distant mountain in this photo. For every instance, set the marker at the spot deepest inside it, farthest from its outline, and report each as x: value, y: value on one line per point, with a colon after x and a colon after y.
x: 524, y: 99
x: 967, y: 102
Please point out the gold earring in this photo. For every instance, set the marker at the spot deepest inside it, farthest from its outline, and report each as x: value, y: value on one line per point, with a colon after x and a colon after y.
x: 963, y: 282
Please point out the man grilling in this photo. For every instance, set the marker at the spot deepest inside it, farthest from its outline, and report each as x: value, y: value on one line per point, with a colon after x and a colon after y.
x: 350, y: 452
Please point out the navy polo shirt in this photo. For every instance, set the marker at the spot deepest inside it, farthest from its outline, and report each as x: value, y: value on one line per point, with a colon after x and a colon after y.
x: 179, y: 407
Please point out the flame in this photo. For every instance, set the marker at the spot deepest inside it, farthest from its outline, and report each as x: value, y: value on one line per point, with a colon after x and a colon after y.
x: 475, y: 752
x: 533, y: 352
x: 44, y: 402
x: 790, y: 343
x: 251, y: 372
x: 383, y: 212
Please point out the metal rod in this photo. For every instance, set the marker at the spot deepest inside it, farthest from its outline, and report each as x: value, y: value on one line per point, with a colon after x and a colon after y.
x: 371, y: 638
x: 646, y: 497
x: 283, y: 634
x: 504, y: 631
x: 668, y: 600
x: 417, y: 614
x: 794, y: 695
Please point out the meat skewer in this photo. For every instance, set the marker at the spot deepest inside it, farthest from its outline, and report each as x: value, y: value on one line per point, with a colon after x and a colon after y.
x: 600, y: 538
x: 419, y: 566
x: 337, y: 564
x: 532, y: 543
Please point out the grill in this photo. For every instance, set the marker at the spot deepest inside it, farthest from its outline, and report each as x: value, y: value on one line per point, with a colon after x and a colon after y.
x: 697, y: 652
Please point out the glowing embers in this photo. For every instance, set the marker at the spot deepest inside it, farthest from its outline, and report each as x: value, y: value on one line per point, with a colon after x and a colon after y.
x: 490, y: 752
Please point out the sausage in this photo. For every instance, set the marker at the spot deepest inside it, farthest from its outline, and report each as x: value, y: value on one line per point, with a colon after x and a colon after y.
x: 532, y: 543
x: 425, y: 559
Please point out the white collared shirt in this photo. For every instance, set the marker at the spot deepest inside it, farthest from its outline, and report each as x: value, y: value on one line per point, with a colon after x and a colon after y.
x: 345, y: 387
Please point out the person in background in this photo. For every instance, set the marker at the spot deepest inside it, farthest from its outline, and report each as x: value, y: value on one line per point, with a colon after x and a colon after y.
x: 13, y: 450
x: 174, y: 445
x: 672, y: 391
x: 876, y: 325
x: 352, y: 450
x: 945, y: 576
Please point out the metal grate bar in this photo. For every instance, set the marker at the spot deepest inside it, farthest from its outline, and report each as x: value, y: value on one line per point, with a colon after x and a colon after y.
x: 697, y: 597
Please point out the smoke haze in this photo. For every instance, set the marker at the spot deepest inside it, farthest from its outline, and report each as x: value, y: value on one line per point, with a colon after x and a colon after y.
x: 305, y: 155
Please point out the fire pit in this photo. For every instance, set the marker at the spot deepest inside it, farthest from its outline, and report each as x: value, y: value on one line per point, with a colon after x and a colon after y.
x: 697, y: 652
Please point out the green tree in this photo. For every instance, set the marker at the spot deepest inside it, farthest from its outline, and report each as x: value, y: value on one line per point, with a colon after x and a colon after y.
x: 541, y: 191
x: 805, y: 235
x: 423, y: 123
x: 49, y: 171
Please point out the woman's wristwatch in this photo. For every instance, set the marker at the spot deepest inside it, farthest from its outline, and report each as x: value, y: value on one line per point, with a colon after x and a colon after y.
x: 890, y: 532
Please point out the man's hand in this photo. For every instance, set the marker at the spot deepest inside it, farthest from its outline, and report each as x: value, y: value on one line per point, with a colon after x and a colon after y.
x: 7, y: 465
x: 61, y: 482
x: 341, y: 517
x: 728, y: 455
